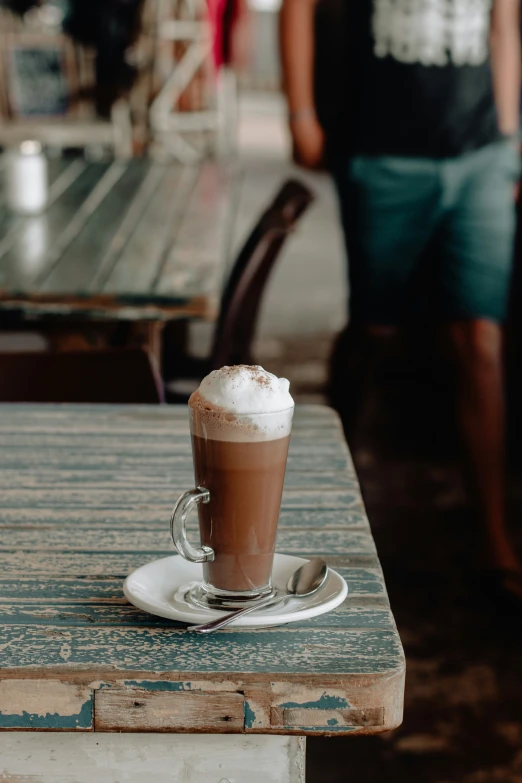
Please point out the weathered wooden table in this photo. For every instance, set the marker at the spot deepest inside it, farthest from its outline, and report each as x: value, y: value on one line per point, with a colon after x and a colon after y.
x: 86, y: 494
x: 135, y: 241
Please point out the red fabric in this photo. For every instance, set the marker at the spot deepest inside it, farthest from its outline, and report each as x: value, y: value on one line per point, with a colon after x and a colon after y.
x: 223, y: 15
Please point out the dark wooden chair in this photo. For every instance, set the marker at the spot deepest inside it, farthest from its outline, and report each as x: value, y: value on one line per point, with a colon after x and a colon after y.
x: 239, y: 309
x: 100, y: 376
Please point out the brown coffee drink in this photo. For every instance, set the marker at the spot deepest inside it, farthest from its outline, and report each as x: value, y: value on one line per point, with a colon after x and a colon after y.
x: 240, y: 458
x: 245, y: 481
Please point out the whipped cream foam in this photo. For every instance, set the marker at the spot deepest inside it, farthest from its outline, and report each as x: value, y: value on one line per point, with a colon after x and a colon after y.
x: 245, y: 389
x: 243, y: 402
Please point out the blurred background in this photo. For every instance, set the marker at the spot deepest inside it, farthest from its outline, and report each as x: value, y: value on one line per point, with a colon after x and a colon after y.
x: 196, y: 86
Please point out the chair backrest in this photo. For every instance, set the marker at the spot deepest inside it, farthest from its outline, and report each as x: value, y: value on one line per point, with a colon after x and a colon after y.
x: 106, y: 376
x: 245, y: 287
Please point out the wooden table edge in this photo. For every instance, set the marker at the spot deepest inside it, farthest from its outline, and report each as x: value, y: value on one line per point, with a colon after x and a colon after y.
x: 106, y: 307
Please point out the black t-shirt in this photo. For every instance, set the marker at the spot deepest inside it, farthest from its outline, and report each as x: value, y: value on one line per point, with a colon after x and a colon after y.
x: 405, y: 77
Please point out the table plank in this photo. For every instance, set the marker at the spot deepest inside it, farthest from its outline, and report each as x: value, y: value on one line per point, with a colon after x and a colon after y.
x: 102, y: 459
x: 120, y: 552
x: 73, y: 526
x: 165, y: 482
x: 104, y: 539
x: 49, y: 589
x: 100, y: 190
x: 356, y: 615
x: 93, y: 228
x: 130, y: 497
x: 291, y: 650
x: 26, y: 241
x: 203, y: 235
x: 154, y: 237
x: 137, y: 206
x: 132, y: 419
x: 152, y: 517
x: 184, y: 711
x: 52, y: 704
x: 56, y: 167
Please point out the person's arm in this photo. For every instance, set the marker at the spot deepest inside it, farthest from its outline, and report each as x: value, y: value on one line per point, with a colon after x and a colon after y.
x: 297, y: 57
x: 506, y: 62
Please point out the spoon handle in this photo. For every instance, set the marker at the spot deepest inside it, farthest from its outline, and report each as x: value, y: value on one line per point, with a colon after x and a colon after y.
x: 214, y: 625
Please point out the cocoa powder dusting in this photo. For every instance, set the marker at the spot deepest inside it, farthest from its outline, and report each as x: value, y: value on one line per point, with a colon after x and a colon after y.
x: 256, y: 372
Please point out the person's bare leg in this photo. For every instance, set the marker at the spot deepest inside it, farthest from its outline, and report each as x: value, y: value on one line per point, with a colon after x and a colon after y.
x: 477, y: 347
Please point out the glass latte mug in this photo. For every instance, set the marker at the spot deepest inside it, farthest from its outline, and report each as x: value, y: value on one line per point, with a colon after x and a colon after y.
x: 239, y: 466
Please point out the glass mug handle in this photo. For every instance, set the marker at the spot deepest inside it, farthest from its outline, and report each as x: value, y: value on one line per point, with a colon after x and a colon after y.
x: 178, y: 521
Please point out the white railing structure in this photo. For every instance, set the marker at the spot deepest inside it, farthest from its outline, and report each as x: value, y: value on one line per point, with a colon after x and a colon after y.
x: 207, y: 122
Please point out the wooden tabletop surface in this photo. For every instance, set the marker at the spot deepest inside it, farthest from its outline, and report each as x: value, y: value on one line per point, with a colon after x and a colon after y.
x: 86, y: 494
x: 136, y: 240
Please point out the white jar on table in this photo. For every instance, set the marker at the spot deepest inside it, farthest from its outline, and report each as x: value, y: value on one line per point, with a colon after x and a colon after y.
x: 27, y: 179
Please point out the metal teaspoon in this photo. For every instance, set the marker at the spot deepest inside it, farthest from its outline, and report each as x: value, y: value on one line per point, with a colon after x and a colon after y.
x: 307, y: 579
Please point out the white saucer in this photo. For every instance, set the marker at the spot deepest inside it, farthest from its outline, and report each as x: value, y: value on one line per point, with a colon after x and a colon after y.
x: 160, y: 588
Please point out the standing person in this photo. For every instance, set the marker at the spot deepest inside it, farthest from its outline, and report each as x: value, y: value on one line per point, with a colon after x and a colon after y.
x: 423, y: 146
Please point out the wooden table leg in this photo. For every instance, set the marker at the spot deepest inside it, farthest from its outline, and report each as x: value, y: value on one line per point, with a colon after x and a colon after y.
x: 147, y: 334
x: 56, y: 757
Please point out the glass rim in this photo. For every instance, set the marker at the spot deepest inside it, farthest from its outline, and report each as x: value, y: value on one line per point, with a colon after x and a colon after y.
x: 235, y: 413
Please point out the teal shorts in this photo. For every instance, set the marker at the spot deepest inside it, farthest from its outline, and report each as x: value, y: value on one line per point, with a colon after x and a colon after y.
x: 429, y: 235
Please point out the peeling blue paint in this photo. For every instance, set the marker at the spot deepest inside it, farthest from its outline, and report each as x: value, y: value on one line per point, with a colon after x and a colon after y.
x: 159, y: 685
x: 158, y: 650
x: 332, y: 722
x: 250, y: 716
x: 324, y: 703
x: 320, y: 729
x: 27, y: 720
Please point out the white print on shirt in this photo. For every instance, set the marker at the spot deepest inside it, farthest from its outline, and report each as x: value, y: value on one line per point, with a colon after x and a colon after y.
x: 432, y: 32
